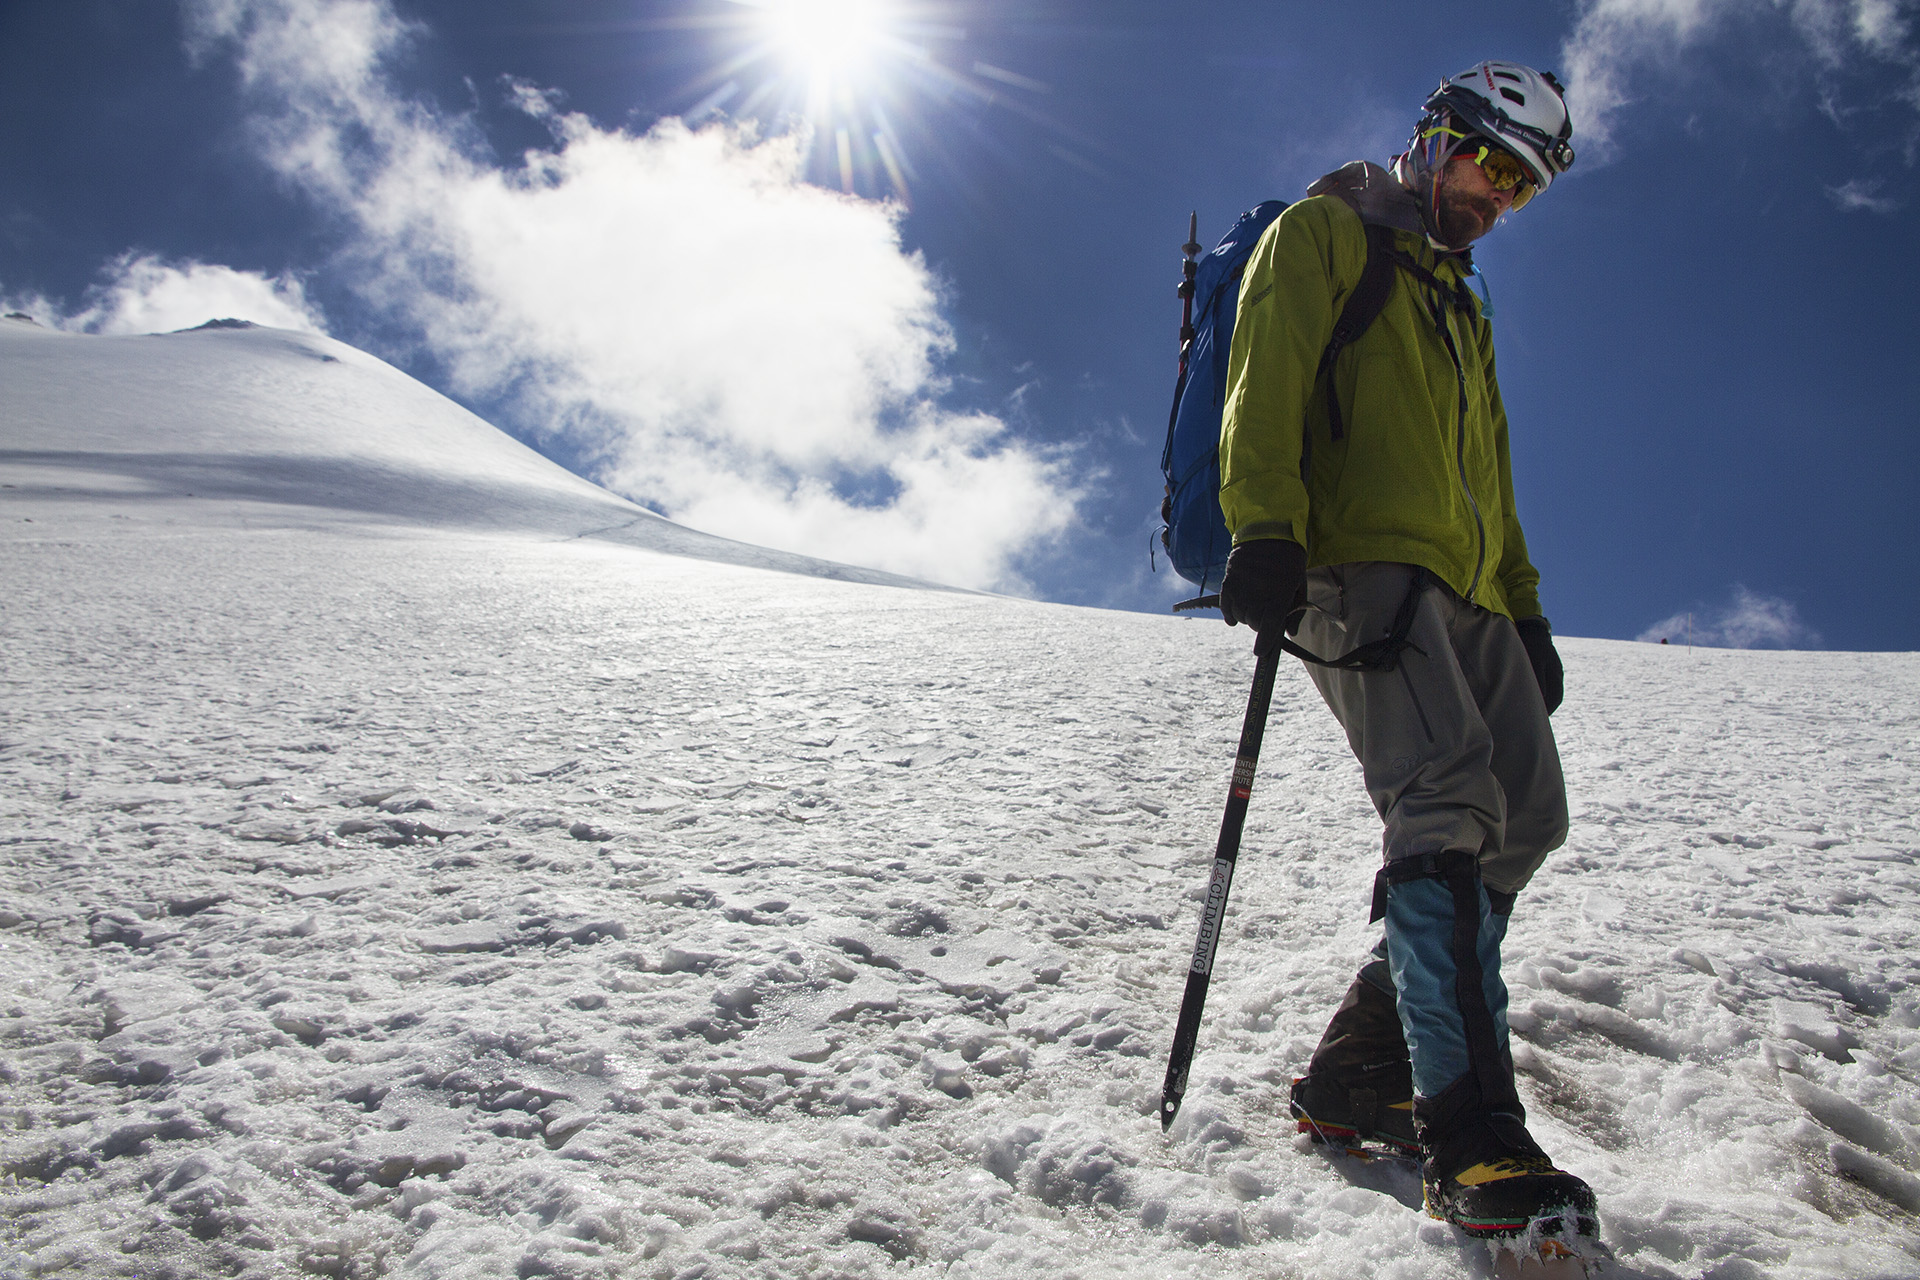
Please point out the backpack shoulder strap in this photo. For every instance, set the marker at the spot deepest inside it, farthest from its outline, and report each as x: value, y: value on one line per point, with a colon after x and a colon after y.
x: 1456, y: 295
x: 1364, y: 305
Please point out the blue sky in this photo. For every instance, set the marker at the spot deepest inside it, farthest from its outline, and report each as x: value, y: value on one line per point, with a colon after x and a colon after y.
x: 1704, y: 330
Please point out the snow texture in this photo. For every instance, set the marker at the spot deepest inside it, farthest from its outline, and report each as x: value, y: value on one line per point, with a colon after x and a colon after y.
x: 399, y: 881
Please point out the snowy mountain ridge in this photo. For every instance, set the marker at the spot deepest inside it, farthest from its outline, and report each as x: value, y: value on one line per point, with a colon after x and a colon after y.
x: 397, y: 882
x: 257, y: 415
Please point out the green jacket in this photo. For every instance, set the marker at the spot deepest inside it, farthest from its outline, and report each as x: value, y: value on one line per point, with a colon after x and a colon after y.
x: 1410, y: 481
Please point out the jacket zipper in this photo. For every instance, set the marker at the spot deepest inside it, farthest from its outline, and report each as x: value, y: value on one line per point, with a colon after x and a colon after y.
x: 1439, y: 314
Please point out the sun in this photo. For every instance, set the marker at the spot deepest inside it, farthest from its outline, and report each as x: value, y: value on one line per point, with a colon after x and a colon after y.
x: 837, y: 65
x: 826, y: 39
x: 876, y: 86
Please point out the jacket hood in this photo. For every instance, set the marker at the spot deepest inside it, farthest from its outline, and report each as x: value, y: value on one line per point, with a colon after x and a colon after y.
x: 1375, y: 194
x: 1383, y: 200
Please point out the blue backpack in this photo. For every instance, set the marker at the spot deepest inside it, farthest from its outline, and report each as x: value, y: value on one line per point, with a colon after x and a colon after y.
x: 1195, y: 533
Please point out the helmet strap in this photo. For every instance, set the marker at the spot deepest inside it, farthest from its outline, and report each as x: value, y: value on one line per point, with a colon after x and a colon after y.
x: 1436, y: 140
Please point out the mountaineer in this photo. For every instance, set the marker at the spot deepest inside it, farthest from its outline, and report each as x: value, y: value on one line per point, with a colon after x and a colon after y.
x: 1367, y: 487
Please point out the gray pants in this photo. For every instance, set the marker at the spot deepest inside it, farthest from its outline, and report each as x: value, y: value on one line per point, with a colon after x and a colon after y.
x: 1454, y: 743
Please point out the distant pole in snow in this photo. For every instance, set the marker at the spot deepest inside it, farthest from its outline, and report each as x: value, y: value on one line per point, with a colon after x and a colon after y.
x: 1213, y: 910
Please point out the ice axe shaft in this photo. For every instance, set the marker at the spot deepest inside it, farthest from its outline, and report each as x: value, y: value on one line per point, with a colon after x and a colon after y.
x: 1213, y: 910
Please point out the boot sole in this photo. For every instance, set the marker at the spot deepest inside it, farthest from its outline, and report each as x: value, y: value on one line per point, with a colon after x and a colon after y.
x: 1551, y: 1227
x: 1507, y: 1228
x: 1332, y: 1133
x: 1354, y: 1142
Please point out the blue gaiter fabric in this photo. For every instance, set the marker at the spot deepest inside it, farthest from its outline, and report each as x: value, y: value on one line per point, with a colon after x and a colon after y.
x: 1420, y: 951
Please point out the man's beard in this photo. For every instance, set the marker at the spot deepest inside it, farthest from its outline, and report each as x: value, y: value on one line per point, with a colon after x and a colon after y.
x: 1464, y: 218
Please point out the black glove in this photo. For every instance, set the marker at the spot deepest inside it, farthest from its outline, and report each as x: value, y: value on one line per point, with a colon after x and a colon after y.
x: 1266, y: 582
x: 1537, y: 636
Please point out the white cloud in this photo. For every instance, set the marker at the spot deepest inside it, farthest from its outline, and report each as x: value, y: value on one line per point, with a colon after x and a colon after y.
x: 1603, y: 48
x: 1748, y: 621
x: 1879, y: 25
x: 140, y: 293
x: 1616, y: 43
x: 1862, y: 194
x: 742, y: 349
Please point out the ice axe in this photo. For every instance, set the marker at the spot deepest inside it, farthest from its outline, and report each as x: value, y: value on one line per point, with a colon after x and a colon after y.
x: 1213, y: 910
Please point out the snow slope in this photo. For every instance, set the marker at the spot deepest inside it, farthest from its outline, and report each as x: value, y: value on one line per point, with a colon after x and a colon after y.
x: 400, y: 887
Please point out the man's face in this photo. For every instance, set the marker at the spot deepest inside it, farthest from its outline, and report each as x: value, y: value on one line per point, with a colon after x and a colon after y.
x: 1468, y: 205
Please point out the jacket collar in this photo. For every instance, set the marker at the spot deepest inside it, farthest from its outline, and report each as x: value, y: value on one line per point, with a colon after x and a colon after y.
x: 1380, y: 200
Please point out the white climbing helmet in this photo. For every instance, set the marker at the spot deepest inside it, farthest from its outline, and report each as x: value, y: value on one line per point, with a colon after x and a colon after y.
x: 1522, y: 109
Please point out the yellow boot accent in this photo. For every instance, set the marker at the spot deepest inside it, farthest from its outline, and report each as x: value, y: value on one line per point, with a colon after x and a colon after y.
x: 1496, y: 1170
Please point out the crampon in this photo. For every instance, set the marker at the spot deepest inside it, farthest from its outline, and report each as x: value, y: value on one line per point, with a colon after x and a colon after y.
x: 1560, y: 1245
x: 1555, y: 1246
x: 1340, y: 1140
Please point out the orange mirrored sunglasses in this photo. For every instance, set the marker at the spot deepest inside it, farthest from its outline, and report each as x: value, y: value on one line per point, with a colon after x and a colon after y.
x: 1505, y: 173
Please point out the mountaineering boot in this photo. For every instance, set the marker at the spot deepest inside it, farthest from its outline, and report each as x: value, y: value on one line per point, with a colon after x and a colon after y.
x: 1484, y: 1173
x: 1359, y: 1083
